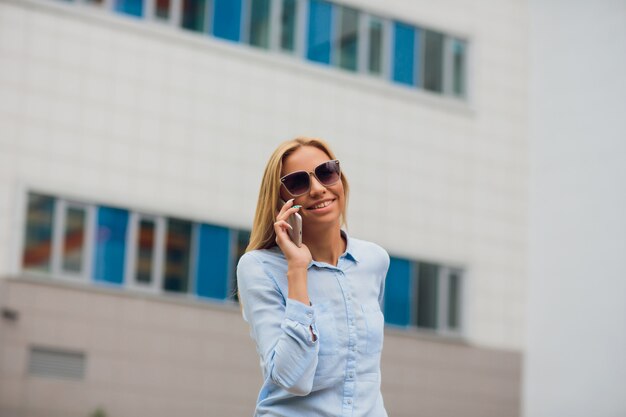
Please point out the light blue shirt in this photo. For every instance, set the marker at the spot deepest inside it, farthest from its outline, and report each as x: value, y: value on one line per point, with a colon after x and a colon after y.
x: 338, y: 374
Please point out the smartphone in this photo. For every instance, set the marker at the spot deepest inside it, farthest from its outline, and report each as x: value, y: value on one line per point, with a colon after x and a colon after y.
x: 295, y: 221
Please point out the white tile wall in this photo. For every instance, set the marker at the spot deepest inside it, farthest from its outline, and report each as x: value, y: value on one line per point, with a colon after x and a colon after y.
x: 182, y: 124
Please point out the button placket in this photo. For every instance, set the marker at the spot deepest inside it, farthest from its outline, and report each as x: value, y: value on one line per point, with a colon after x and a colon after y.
x: 349, y: 383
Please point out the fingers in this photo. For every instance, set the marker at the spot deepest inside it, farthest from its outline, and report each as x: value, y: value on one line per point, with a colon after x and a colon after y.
x: 288, y: 204
x: 287, y: 210
x: 280, y: 228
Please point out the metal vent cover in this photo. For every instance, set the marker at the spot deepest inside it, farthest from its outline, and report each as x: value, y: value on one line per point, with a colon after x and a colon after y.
x: 56, y: 363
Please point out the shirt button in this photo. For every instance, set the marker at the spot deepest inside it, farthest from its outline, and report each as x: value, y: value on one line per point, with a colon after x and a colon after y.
x: 350, y: 375
x: 353, y: 348
x: 309, y: 314
x: 349, y: 401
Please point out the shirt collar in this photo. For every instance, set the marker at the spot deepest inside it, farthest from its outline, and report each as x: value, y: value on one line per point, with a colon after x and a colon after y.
x: 348, y: 253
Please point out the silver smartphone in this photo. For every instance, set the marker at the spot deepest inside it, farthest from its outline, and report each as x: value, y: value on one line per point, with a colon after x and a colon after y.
x: 295, y: 221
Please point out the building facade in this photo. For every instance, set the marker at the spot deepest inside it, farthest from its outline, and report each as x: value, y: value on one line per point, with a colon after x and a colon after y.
x: 133, y: 136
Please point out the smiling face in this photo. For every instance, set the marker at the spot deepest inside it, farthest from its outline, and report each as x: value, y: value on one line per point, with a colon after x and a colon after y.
x: 322, y: 205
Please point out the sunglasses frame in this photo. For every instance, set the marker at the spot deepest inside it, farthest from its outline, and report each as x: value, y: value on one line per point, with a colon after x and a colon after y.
x: 282, y: 179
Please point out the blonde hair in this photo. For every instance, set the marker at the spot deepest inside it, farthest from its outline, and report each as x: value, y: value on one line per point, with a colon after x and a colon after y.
x: 263, y: 235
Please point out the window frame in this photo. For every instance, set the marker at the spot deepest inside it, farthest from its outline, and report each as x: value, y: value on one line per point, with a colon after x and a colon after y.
x: 132, y: 234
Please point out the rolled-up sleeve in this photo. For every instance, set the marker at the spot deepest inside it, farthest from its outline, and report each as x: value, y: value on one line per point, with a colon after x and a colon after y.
x: 383, y: 276
x: 280, y: 327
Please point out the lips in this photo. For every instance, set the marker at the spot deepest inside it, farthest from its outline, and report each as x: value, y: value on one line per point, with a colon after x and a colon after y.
x: 321, y: 205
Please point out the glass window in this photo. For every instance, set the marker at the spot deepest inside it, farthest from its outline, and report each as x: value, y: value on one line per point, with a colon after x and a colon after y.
x: 397, y: 304
x: 38, y: 240
x: 162, y: 9
x: 146, y: 238
x: 454, y: 300
x: 288, y: 17
x: 74, y: 239
x: 214, y: 262
x: 404, y: 54
x: 433, y: 61
x: 243, y: 238
x: 319, y: 33
x: 348, y: 40
x: 177, y: 256
x: 227, y: 19
x: 375, y: 48
x: 427, y: 295
x: 459, y: 64
x: 260, y: 23
x: 131, y: 7
x: 110, y: 251
x: 193, y: 15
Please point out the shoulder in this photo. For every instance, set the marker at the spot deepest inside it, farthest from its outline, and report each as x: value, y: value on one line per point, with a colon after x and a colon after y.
x: 261, y: 262
x: 370, y: 252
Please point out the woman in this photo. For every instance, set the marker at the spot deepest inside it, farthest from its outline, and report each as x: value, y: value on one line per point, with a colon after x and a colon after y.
x: 314, y: 311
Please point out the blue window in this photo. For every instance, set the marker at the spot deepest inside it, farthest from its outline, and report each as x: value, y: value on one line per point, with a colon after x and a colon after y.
x: 213, y: 261
x: 404, y: 53
x: 227, y: 19
x: 320, y: 24
x: 110, y: 248
x: 398, y: 292
x: 131, y: 7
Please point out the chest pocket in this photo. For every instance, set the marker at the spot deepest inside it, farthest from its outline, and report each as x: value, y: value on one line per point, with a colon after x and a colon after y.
x: 327, y: 329
x: 375, y: 325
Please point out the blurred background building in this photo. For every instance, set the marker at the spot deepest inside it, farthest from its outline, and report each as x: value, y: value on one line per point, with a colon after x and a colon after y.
x: 133, y: 136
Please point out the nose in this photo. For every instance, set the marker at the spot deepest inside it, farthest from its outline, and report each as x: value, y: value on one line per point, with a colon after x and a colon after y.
x: 316, y: 186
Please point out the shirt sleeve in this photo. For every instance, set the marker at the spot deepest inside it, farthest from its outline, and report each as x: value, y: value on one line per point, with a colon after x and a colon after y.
x: 281, y: 330
x: 383, y: 277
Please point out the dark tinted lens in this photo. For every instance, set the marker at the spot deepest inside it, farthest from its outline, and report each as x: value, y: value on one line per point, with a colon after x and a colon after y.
x: 328, y: 172
x: 297, y: 183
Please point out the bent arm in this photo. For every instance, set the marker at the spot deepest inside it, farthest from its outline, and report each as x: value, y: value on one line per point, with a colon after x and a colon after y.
x: 284, y: 330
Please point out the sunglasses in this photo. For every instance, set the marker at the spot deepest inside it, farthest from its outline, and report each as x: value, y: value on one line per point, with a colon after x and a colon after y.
x: 299, y: 182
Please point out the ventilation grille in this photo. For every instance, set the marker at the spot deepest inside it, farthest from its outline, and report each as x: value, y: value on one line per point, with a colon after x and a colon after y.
x: 56, y: 363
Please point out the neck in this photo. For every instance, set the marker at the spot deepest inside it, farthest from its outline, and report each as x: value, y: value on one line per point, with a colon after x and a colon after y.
x: 326, y: 245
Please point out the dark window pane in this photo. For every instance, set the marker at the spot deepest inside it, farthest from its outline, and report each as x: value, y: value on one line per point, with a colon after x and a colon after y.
x: 427, y: 295
x: 227, y: 19
x: 177, y: 256
x: 433, y: 61
x: 193, y: 14
x: 110, y: 245
x: 131, y: 7
x: 398, y: 292
x: 288, y: 25
x: 243, y: 238
x: 375, y: 52
x: 453, y: 300
x: 348, y: 42
x: 38, y: 240
x: 458, y: 68
x: 320, y: 23
x: 403, y: 54
x: 162, y: 9
x: 73, y: 240
x: 145, y: 251
x: 260, y: 23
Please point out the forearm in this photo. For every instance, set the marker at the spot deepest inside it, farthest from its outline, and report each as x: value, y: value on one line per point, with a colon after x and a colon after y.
x: 297, y: 284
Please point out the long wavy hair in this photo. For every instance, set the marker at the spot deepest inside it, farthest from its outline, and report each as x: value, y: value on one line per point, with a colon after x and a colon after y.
x: 263, y: 235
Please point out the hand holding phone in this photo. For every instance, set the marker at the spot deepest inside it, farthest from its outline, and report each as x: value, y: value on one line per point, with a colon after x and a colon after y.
x: 295, y: 221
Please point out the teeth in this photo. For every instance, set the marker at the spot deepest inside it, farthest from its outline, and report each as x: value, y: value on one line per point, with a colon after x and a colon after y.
x: 322, y: 205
